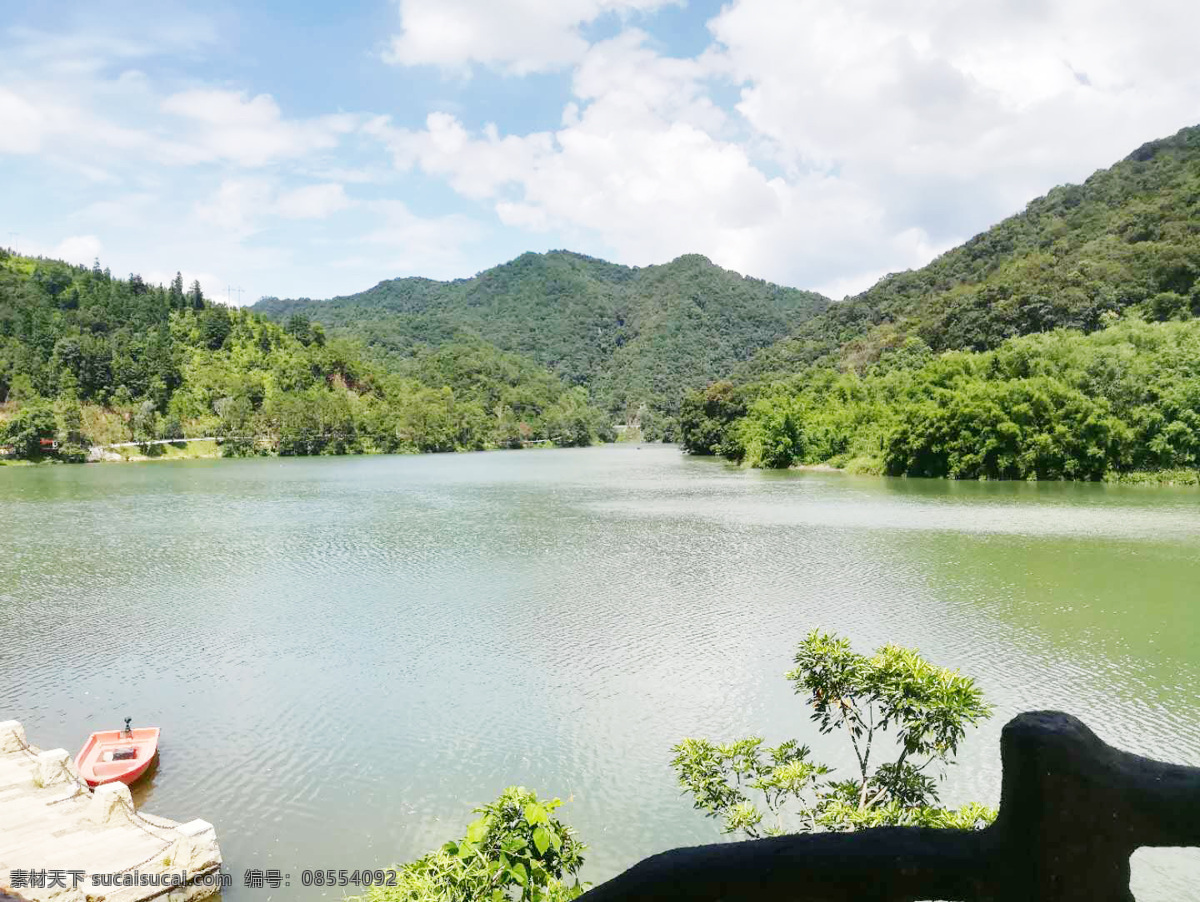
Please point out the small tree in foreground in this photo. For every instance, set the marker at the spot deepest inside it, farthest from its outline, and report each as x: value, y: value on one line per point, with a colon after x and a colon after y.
x: 515, y: 850
x: 893, y: 705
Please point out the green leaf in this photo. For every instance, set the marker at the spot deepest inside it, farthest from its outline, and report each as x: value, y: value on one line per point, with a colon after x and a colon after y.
x: 541, y: 839
x: 519, y: 874
x: 535, y: 813
x: 477, y: 830
x: 514, y: 843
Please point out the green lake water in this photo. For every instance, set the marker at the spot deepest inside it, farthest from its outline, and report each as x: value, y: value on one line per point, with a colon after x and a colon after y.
x: 347, y: 654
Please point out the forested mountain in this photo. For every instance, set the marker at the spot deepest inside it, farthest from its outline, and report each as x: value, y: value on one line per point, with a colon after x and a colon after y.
x: 632, y: 336
x: 87, y: 358
x: 1129, y: 236
x: 939, y: 371
x: 927, y: 372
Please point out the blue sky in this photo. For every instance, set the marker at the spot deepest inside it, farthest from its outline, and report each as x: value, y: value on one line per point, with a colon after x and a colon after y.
x: 312, y: 149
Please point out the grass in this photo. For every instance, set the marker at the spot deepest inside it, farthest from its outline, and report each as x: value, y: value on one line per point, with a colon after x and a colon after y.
x: 1156, y: 477
x: 103, y: 426
x: 189, y: 451
x: 181, y: 451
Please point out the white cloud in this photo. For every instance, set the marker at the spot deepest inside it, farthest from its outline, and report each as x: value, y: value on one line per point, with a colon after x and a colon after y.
x: 112, y: 35
x: 98, y: 118
x: 409, y: 243
x: 66, y: 93
x: 241, y: 206
x: 946, y: 111
x: 312, y: 201
x: 20, y: 124
x: 475, y: 167
x: 521, y: 36
x: 250, y: 131
x: 126, y: 211
x: 402, y: 243
x: 34, y: 118
x: 238, y: 207
x: 78, y: 249
x: 628, y: 82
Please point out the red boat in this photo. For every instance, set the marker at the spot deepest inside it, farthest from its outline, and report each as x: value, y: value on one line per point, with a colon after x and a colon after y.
x: 112, y: 756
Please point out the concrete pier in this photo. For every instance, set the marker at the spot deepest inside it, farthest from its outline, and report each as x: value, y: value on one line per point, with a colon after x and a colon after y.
x: 63, y: 842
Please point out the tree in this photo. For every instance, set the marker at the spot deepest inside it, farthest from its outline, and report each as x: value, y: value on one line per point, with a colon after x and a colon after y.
x: 215, y: 326
x: 570, y: 421
x: 20, y: 388
x: 234, y: 414
x: 172, y: 428
x: 196, y: 296
x: 52, y: 277
x: 144, y: 422
x: 773, y: 432
x: 894, y: 701
x: 176, y: 295
x: 32, y: 424
x: 516, y: 849
x: 69, y: 420
x: 67, y: 356
x: 706, y: 418
x: 300, y: 328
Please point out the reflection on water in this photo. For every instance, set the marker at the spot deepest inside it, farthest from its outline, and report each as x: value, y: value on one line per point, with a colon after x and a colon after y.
x: 347, y: 654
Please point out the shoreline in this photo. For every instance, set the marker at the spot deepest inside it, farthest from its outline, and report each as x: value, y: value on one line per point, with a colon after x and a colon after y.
x: 207, y: 449
x: 1148, y: 478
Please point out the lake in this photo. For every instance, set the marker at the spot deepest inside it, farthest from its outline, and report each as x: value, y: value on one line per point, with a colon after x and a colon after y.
x: 347, y: 654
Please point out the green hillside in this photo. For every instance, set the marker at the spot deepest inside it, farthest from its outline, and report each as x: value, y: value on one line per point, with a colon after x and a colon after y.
x: 1129, y: 236
x: 86, y: 358
x: 1119, y: 403
x: 928, y: 373
x: 634, y: 337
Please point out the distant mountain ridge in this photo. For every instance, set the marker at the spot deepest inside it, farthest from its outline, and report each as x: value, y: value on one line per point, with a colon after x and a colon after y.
x: 638, y: 338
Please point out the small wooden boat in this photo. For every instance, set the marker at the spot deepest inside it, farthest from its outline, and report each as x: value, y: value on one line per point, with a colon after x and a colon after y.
x: 112, y: 756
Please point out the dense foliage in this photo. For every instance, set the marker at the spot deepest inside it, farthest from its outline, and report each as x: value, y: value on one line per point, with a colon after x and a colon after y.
x: 87, y: 358
x: 1129, y: 236
x: 516, y: 849
x: 1061, y: 405
x: 926, y: 709
x: 636, y: 338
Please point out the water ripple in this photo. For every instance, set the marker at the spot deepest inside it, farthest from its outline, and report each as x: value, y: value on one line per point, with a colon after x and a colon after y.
x: 347, y: 655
